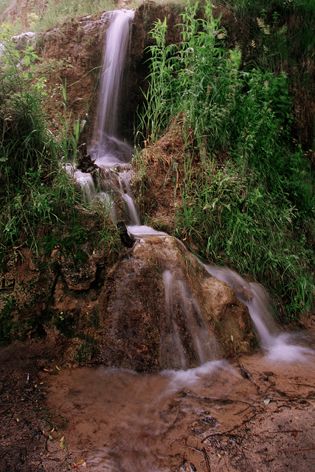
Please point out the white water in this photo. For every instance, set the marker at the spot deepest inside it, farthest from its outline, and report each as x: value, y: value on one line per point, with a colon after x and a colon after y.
x: 172, y: 349
x: 143, y: 231
x: 106, y: 148
x: 84, y: 180
x: 132, y: 210
x: 180, y: 304
x: 188, y: 378
x: 109, y: 153
x: 278, y: 346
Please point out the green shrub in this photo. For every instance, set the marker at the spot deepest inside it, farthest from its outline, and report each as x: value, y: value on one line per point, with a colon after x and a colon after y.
x: 37, y: 197
x: 249, y: 200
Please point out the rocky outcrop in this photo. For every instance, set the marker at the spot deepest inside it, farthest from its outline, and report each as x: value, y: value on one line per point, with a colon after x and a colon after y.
x: 138, y: 325
x: 71, y: 59
x: 157, y: 308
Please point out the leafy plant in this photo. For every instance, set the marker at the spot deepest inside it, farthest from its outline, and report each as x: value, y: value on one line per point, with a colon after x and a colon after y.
x: 247, y: 194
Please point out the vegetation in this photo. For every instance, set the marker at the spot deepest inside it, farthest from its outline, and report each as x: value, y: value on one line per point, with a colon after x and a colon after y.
x: 58, y: 12
x: 39, y: 205
x: 249, y: 202
x: 44, y: 15
x: 250, y: 6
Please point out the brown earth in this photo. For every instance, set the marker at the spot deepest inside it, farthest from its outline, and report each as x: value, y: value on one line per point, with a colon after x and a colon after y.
x: 158, y: 177
x: 257, y: 417
x: 71, y: 57
x: 57, y: 291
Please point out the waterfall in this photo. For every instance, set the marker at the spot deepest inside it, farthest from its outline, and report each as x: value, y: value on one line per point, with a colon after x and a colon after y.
x: 184, y: 320
x: 111, y: 155
x: 278, y: 345
x: 107, y: 149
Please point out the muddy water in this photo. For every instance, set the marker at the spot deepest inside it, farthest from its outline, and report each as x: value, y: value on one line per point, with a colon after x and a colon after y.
x: 240, y: 418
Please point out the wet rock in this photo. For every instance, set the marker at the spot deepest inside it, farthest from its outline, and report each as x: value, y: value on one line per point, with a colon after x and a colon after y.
x: 136, y: 323
x: 125, y: 237
x: 72, y: 54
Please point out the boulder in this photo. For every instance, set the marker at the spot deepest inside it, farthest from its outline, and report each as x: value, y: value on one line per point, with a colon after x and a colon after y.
x: 161, y: 309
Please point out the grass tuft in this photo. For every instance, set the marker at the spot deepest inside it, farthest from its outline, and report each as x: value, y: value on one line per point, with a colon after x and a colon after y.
x: 247, y: 192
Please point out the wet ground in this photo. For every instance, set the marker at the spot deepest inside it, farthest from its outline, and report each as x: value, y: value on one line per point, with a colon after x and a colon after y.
x: 254, y: 415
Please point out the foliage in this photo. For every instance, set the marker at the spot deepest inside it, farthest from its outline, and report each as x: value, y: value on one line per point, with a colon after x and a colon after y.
x: 249, y: 201
x: 249, y: 6
x: 41, y: 16
x: 58, y: 12
x: 38, y: 199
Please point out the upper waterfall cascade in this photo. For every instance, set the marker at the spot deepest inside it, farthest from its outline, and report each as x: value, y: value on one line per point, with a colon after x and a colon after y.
x: 106, y: 148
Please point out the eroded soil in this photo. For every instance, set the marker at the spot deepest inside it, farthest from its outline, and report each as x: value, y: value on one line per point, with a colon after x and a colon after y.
x: 250, y: 416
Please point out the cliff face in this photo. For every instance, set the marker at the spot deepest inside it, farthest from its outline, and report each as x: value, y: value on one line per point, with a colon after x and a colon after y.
x: 71, y: 57
x: 73, y: 54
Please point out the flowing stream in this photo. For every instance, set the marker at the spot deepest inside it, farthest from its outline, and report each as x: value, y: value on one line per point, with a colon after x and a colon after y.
x: 106, y: 149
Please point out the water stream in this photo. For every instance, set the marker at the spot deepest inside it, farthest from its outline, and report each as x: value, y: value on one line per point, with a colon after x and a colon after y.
x: 107, y: 149
x: 277, y: 345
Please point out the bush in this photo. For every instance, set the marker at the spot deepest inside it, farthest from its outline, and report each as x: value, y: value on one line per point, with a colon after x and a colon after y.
x: 249, y: 199
x: 36, y: 195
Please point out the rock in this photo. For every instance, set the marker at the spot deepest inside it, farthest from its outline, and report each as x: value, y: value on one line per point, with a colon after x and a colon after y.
x: 79, y: 277
x: 135, y: 319
x: 23, y: 40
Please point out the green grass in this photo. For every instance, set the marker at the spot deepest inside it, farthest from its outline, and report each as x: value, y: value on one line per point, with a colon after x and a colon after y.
x: 37, y: 198
x: 54, y: 13
x: 252, y: 6
x: 59, y: 12
x: 248, y: 199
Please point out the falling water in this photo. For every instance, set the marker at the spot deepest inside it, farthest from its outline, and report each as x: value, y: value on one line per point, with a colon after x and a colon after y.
x: 106, y: 148
x: 84, y: 180
x: 109, y: 153
x: 172, y: 352
x: 279, y: 346
x: 184, y: 320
